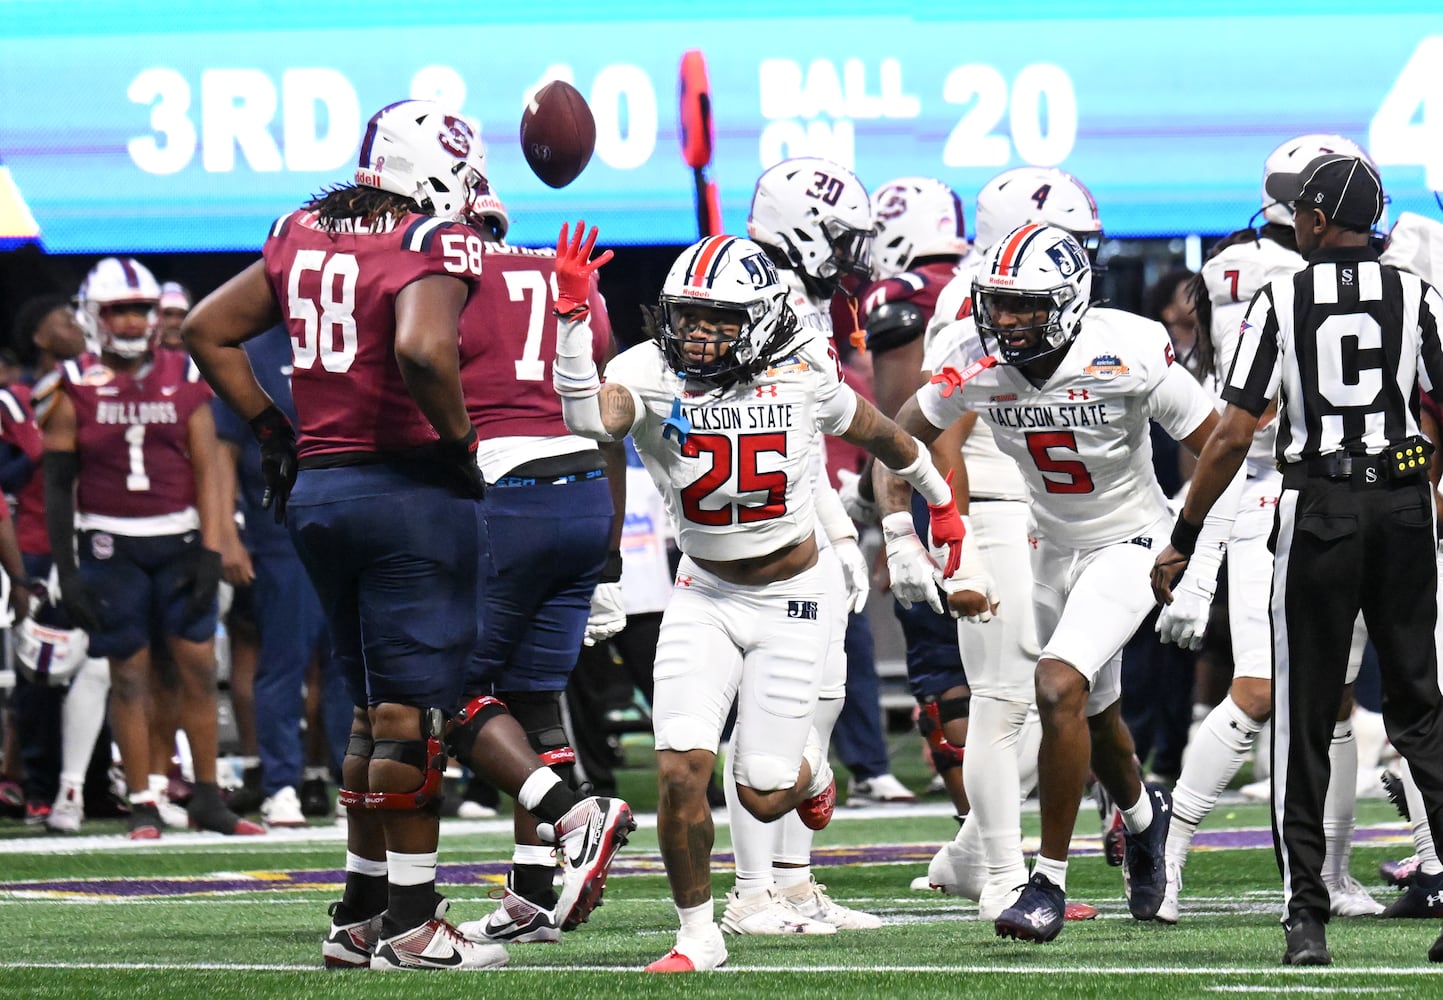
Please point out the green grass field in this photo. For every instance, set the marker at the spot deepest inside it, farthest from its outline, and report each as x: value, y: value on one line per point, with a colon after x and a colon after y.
x: 197, y: 916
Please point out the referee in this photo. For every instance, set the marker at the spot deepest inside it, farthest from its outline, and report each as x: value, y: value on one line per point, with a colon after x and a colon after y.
x: 1344, y: 344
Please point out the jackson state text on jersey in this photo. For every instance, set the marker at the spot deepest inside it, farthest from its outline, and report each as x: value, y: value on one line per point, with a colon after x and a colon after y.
x: 508, y: 342
x: 740, y: 485
x: 338, y: 294
x: 1081, y: 440
x: 132, y: 435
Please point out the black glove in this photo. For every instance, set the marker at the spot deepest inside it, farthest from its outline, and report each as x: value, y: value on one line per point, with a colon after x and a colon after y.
x: 278, y: 458
x: 79, y: 602
x: 199, y: 581
x: 459, y: 458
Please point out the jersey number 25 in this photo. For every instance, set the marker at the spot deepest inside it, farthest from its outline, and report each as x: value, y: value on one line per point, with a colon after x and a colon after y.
x: 749, y: 478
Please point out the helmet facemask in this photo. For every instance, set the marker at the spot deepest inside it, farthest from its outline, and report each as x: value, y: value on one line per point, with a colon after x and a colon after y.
x: 1031, y: 292
x: 724, y: 344
x: 120, y: 292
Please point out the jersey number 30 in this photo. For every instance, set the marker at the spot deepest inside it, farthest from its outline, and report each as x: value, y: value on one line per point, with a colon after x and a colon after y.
x: 749, y: 479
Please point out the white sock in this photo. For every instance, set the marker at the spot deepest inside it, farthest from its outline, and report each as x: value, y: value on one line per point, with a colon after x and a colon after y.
x: 1340, y: 806
x: 990, y: 772
x: 695, y: 920
x: 752, y: 840
x: 364, y: 866
x: 1138, y: 816
x: 410, y: 869
x: 535, y: 787
x: 533, y: 854
x: 1054, y: 871
x: 1422, y: 832
x: 158, y: 784
x: 81, y: 716
x: 1213, y: 757
x: 793, y: 838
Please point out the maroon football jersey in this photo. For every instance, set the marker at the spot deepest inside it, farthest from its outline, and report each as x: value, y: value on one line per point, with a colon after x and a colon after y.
x: 508, y: 344
x: 18, y: 427
x: 132, y: 434
x: 338, y: 294
x: 920, y: 287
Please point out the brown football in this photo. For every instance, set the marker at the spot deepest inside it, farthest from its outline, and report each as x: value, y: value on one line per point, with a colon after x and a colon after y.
x: 558, y: 133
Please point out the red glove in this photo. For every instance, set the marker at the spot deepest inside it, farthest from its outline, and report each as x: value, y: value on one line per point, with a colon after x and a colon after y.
x: 574, y: 268
x: 948, y: 530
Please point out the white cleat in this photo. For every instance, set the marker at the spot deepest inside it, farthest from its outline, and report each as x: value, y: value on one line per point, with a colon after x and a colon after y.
x: 765, y: 912
x: 589, y: 836
x: 1348, y: 898
x: 283, y: 809
x: 883, y: 790
x: 435, y: 945
x: 694, y: 954
x: 810, y: 899
x: 68, y: 812
x: 957, y: 871
x: 516, y: 921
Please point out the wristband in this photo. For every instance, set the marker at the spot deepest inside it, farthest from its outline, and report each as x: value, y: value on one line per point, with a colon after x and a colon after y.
x: 611, y: 570
x: 1185, y: 535
x: 271, y: 423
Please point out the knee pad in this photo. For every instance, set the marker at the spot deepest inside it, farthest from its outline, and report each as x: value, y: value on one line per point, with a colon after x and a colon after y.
x: 539, y: 713
x: 467, y: 724
x: 428, y: 755
x: 935, y: 712
x: 766, y: 772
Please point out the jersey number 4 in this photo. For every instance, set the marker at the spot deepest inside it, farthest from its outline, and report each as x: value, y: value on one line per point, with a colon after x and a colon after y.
x: 1041, y: 445
x: 749, y: 479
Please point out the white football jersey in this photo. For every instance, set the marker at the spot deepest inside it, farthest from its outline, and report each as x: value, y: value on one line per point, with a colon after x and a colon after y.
x: 1081, y: 440
x: 736, y: 466
x: 990, y: 473
x: 1232, y: 278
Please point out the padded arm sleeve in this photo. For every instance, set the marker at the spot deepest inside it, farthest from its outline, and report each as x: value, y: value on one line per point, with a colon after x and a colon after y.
x: 60, y: 471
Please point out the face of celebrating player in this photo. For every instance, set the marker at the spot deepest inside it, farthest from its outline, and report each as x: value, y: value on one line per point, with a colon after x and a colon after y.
x: 1019, y: 320
x: 128, y: 320
x: 706, y: 333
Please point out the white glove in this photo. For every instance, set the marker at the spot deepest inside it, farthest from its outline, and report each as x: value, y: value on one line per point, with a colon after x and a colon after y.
x: 1185, y: 620
x: 915, y: 577
x: 859, y: 510
x: 608, y: 613
x: 971, y: 574
x: 854, y: 572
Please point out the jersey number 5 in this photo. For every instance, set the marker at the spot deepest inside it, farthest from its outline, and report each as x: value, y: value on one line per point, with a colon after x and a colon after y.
x: 1040, y: 446
x: 749, y: 479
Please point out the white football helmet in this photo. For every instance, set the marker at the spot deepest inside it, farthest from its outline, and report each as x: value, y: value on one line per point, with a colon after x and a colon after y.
x: 814, y: 214
x: 425, y: 152
x: 915, y: 217
x: 1295, y: 154
x: 1036, y: 194
x: 117, y: 281
x: 737, y: 277
x: 48, y: 654
x: 1034, y: 269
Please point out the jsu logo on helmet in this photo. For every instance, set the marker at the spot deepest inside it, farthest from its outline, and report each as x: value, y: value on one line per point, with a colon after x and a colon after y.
x: 760, y: 269
x: 1063, y: 253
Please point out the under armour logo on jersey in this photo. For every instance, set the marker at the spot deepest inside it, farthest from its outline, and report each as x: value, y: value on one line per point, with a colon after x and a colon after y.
x: 802, y: 609
x: 1142, y: 540
x: 1032, y: 540
x: 1267, y: 501
x: 767, y: 390
x: 1077, y: 394
x: 683, y: 581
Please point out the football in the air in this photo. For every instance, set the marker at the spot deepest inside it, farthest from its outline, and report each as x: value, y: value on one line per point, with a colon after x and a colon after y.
x: 558, y: 133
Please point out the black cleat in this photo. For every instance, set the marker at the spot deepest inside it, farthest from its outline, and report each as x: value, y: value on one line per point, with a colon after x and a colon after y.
x: 1393, y: 785
x: 1421, y: 900
x: 1307, y: 942
x: 1144, y: 871
x: 1038, y: 914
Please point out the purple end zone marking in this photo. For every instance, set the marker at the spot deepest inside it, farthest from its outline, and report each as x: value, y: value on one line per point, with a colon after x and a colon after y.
x: 494, y: 872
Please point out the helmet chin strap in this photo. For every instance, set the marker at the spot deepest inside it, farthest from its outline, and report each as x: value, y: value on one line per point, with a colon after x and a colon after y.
x: 128, y: 348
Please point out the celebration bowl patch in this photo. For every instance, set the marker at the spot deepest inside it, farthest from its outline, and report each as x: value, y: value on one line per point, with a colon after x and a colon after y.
x: 1106, y: 367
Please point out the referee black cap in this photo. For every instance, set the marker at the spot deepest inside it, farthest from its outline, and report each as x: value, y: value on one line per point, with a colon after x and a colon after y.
x: 1344, y: 188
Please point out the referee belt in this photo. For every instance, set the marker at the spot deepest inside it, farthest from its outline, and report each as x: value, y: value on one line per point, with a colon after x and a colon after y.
x: 1404, y: 462
x: 575, y: 477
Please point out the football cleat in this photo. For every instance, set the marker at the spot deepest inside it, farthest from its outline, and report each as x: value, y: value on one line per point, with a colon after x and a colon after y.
x: 694, y: 954
x: 1079, y: 911
x: 516, y: 921
x: 589, y: 835
x: 68, y: 812
x: 144, y: 821
x: 1348, y: 898
x: 1393, y: 785
x: 207, y: 811
x: 283, y: 809
x: 810, y: 899
x: 1421, y: 900
x: 1114, y: 846
x: 957, y: 869
x: 1144, y: 870
x: 36, y: 813
x: 1170, y: 910
x: 1399, y: 873
x: 883, y: 790
x: 1037, y: 915
x: 315, y: 797
x: 349, y: 944
x: 1307, y: 943
x: 435, y: 945
x: 765, y: 912
x: 1000, y: 893
x: 816, y: 810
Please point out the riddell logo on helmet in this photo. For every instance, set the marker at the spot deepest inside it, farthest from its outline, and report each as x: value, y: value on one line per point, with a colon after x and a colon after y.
x: 370, y: 178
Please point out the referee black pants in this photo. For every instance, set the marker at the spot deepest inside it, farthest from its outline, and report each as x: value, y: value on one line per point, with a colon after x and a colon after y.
x: 1341, y: 547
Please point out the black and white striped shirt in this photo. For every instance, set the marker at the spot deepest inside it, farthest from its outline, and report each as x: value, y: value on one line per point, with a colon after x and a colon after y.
x: 1343, y: 344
